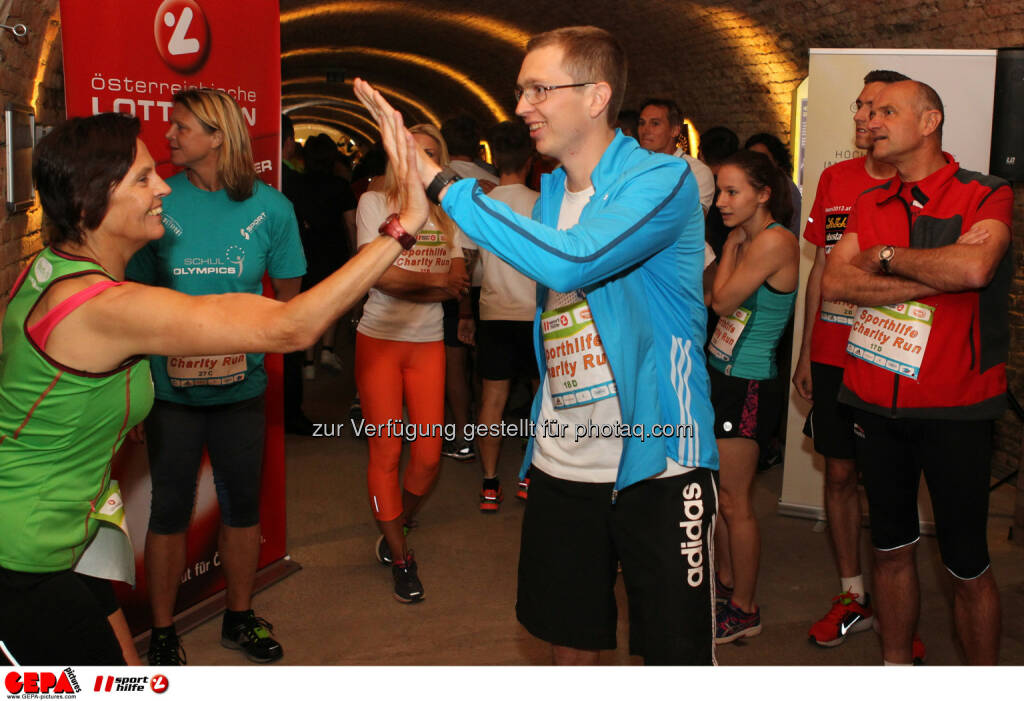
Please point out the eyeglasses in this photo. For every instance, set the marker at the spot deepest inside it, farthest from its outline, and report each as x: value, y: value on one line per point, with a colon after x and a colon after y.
x: 538, y: 93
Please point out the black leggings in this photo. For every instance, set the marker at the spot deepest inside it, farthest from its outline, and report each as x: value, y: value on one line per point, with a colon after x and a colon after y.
x: 57, y: 619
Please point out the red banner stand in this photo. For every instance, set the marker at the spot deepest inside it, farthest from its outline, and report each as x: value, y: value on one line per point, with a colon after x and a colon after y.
x: 132, y: 57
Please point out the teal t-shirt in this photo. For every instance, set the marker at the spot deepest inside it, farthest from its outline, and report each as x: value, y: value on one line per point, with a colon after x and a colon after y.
x: 212, y: 245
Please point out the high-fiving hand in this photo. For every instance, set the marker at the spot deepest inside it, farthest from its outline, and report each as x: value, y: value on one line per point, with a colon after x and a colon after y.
x: 405, y: 155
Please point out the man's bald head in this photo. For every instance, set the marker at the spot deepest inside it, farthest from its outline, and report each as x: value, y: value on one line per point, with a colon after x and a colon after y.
x: 927, y: 99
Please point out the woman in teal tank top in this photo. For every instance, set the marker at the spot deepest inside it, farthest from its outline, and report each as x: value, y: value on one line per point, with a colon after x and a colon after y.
x: 74, y: 381
x: 753, y: 293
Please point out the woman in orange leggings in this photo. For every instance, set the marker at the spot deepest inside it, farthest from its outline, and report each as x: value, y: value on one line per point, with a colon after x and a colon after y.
x: 400, y: 359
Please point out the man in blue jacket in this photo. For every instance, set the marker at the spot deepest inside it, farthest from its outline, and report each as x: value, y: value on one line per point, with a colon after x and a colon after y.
x: 622, y: 455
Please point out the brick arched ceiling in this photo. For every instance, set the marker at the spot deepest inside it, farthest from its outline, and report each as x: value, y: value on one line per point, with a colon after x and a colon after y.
x: 727, y: 62
x: 437, y: 59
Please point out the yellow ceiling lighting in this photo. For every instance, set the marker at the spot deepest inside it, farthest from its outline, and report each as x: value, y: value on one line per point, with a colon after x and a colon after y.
x: 326, y: 104
x: 343, y: 125
x: 411, y: 12
x: 385, y: 90
x: 415, y: 59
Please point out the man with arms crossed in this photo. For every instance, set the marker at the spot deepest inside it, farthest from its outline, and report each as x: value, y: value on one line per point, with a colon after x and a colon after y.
x: 617, y: 251
x: 819, y: 371
x: 926, y: 375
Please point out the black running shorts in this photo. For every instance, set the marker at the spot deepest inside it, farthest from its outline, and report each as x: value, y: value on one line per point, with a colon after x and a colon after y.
x: 505, y: 349
x: 955, y: 457
x: 661, y: 530
x: 829, y: 423
x: 745, y: 408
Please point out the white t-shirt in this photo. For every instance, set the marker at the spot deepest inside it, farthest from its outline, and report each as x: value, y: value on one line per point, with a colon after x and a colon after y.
x: 506, y: 294
x: 705, y: 179
x: 468, y: 169
x: 388, y: 317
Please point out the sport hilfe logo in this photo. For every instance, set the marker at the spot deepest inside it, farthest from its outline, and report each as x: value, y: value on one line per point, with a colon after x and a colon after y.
x: 47, y: 683
x: 182, y: 35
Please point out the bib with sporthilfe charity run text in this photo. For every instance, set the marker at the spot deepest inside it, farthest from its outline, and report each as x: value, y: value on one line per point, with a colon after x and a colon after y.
x: 893, y: 337
x: 577, y: 366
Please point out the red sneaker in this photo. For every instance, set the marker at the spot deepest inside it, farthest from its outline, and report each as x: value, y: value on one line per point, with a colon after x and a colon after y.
x: 490, y: 500
x: 522, y: 489
x: 919, y: 653
x: 846, y: 616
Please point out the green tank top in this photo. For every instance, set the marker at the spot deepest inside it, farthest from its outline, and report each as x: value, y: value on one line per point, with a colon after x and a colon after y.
x: 753, y: 355
x: 59, y: 429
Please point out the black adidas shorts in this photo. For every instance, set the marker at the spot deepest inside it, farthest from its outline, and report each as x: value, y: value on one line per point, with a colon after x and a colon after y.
x: 661, y: 530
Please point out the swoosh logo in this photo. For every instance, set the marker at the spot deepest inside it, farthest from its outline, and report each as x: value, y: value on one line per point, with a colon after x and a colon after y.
x: 844, y: 627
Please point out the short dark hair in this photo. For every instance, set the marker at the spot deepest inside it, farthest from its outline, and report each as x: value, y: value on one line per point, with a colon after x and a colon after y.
x: 675, y: 115
x: 881, y: 75
x: 717, y: 144
x: 287, y: 128
x: 590, y: 54
x: 628, y: 121
x: 462, y: 136
x: 320, y: 153
x: 928, y: 99
x: 511, y: 146
x: 780, y: 154
x: 76, y: 167
x: 762, y: 173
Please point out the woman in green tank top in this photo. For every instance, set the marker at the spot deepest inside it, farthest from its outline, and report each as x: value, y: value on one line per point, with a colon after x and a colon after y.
x: 753, y: 293
x: 73, y: 379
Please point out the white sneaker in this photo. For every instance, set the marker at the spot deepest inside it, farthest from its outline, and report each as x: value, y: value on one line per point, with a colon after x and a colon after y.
x: 308, y: 371
x: 330, y: 361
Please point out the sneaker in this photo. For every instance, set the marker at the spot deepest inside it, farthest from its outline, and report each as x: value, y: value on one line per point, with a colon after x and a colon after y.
x: 455, y: 451
x: 847, y: 615
x: 522, y: 489
x: 918, y: 650
x: 165, y: 651
x: 731, y: 623
x: 383, y: 551
x: 253, y: 638
x: 490, y: 500
x: 355, y: 411
x: 722, y: 593
x: 408, y: 588
x: 330, y: 360
x: 308, y: 371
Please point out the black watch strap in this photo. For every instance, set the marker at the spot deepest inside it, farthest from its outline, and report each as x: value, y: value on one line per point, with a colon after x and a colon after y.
x: 445, y: 177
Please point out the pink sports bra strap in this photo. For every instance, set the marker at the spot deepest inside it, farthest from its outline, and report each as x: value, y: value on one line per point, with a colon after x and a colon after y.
x: 40, y: 331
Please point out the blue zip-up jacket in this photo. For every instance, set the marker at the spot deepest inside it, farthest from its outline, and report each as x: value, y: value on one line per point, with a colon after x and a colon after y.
x: 637, y: 254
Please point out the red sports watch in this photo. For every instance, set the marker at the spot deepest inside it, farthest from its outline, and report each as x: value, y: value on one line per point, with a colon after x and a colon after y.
x: 393, y: 227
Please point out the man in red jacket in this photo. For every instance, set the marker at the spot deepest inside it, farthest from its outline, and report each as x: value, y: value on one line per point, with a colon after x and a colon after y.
x: 926, y: 257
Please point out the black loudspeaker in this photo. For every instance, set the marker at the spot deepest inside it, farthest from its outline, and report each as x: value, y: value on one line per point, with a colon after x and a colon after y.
x: 1007, y: 159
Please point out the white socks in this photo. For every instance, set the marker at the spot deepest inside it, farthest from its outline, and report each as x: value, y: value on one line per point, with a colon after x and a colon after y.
x: 854, y: 585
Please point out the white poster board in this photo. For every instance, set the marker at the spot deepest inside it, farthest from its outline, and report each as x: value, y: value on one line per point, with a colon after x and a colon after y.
x: 965, y: 80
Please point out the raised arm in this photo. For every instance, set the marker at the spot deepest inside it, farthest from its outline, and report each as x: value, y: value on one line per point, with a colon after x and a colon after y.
x: 745, y: 265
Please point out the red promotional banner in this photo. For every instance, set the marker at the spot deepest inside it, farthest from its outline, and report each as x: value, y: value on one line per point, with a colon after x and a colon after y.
x: 132, y: 57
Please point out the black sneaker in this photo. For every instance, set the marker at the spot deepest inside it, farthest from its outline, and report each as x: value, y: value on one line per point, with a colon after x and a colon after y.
x: 455, y: 451
x: 408, y: 588
x: 253, y: 638
x: 165, y: 650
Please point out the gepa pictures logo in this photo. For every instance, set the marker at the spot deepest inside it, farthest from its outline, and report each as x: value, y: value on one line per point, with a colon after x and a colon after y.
x: 42, y: 684
x: 182, y: 35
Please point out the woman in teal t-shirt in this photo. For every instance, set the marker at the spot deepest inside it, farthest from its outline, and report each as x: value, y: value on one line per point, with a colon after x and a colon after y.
x: 753, y: 293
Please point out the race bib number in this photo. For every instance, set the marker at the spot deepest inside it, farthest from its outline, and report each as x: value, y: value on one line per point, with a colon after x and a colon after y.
x: 838, y: 312
x: 577, y: 366
x: 195, y: 370
x: 727, y: 334
x: 893, y: 337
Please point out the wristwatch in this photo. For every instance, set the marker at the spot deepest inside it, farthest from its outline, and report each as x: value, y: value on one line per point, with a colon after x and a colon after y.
x: 444, y: 177
x: 885, y: 258
x: 392, y: 227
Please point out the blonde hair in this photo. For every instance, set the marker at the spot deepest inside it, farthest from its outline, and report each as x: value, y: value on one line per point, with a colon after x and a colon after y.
x: 218, y: 111
x: 393, y: 189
